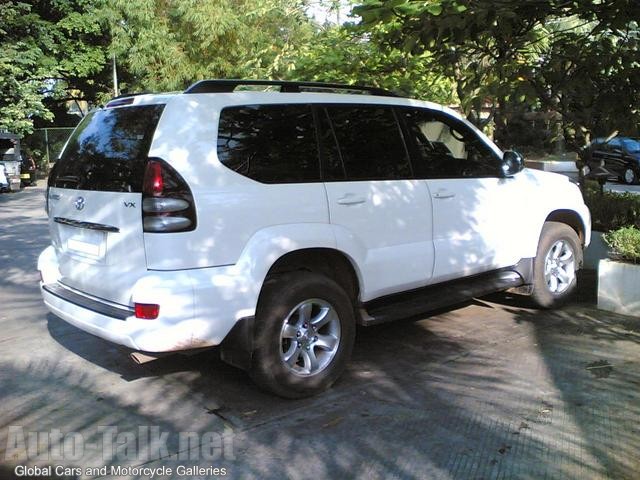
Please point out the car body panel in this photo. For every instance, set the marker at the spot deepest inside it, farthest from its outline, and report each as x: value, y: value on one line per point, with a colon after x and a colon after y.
x: 386, y: 226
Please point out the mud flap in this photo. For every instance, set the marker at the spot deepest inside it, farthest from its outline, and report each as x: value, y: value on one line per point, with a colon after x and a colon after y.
x: 237, y: 347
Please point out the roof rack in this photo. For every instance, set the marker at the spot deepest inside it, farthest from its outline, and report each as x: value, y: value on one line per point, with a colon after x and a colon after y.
x: 227, y: 86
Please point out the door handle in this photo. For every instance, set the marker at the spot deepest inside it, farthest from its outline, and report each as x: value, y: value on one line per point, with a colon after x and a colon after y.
x: 351, y: 199
x: 444, y: 194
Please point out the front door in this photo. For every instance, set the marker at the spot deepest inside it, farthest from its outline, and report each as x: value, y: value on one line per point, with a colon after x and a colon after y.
x: 475, y: 209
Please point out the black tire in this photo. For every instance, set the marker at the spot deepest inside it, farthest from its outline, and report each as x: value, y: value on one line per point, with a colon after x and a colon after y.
x: 282, y: 294
x: 560, y: 237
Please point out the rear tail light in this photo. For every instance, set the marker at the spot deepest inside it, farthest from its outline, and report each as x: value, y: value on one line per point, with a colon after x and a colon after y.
x: 49, y: 179
x: 153, y: 181
x: 167, y: 202
x: 147, y: 311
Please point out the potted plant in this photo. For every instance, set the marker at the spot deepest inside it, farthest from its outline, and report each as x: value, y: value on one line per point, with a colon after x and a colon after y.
x: 609, y: 211
x: 619, y: 276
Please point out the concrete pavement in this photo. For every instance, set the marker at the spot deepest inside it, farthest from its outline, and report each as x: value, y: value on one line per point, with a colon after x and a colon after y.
x: 490, y: 390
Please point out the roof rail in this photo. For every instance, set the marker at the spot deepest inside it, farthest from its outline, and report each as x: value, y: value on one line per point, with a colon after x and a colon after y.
x: 227, y: 86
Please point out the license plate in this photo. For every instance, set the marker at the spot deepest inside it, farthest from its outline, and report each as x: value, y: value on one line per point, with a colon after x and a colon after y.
x: 86, y: 243
x: 25, y: 176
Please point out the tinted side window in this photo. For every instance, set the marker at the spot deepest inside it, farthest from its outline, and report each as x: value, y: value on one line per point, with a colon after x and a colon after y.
x: 269, y: 143
x: 108, y: 150
x: 333, y: 168
x: 447, y: 148
x: 370, y: 142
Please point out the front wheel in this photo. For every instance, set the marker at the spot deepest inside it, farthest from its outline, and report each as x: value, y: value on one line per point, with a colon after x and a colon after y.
x: 557, y: 260
x: 305, y: 330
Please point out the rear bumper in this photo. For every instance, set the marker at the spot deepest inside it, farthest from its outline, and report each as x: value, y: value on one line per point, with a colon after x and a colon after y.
x: 113, y: 329
x: 198, y: 307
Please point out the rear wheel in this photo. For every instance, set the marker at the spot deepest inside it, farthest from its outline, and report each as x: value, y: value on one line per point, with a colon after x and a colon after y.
x: 305, y: 330
x: 555, y: 266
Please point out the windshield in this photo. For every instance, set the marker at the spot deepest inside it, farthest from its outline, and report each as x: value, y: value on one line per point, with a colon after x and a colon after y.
x: 108, y: 150
x: 631, y: 145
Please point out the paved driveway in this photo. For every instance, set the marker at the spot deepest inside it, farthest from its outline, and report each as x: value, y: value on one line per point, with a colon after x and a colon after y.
x: 489, y: 390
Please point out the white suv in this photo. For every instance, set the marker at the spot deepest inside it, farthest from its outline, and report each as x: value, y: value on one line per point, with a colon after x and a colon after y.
x: 272, y: 222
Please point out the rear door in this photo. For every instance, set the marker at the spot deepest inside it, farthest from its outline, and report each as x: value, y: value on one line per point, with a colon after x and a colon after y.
x: 95, y: 200
x: 381, y: 215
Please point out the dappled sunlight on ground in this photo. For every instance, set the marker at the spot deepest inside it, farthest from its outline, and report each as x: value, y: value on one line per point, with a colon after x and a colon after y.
x: 491, y: 389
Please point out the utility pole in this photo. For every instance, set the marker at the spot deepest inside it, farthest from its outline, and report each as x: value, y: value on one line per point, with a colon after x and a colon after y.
x: 116, y: 90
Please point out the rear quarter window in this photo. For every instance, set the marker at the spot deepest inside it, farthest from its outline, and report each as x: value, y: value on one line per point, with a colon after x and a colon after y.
x: 270, y: 143
x: 108, y: 150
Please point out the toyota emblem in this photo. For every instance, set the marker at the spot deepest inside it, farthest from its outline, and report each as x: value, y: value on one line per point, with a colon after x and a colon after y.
x: 79, y: 203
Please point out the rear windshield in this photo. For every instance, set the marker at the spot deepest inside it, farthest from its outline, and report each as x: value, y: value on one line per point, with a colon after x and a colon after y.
x: 108, y: 150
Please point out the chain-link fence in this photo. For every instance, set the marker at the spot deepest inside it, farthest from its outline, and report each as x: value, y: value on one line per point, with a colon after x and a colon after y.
x: 46, y: 144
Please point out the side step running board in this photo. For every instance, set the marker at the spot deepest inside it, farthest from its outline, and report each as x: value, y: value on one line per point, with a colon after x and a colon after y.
x: 408, y: 304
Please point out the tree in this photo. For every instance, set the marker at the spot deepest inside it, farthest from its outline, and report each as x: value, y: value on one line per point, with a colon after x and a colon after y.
x: 480, y: 45
x: 591, y: 76
x: 50, y: 52
x: 21, y: 72
x: 347, y: 54
x: 504, y: 53
x: 168, y: 45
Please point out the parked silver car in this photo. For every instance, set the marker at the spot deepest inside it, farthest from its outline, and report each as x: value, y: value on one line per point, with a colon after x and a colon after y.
x: 11, y: 159
x: 4, y: 181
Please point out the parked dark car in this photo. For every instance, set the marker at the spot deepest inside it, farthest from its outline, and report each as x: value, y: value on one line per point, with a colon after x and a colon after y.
x: 28, y: 171
x: 620, y: 156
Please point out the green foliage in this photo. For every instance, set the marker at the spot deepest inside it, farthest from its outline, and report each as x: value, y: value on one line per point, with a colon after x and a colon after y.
x: 591, y: 76
x: 611, y: 211
x: 168, y: 45
x: 21, y: 74
x: 625, y: 244
x: 50, y: 51
x: 346, y: 54
x: 580, y: 59
x: 480, y: 45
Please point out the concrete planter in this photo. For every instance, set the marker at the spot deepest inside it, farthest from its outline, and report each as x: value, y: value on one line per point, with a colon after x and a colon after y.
x: 619, y: 287
x: 596, y: 251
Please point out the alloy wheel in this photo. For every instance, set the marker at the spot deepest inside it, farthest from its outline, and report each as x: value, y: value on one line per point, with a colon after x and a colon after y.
x: 559, y: 267
x: 310, y: 337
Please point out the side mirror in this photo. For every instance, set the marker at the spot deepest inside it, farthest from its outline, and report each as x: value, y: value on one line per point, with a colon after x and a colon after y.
x: 512, y: 163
